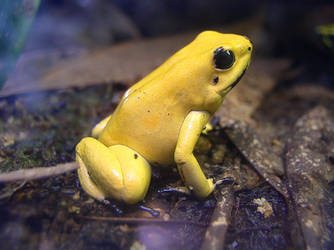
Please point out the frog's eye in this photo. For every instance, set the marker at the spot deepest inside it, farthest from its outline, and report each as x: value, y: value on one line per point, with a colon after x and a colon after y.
x: 223, y: 59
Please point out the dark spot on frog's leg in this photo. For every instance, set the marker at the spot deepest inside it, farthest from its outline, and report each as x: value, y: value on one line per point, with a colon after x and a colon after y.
x: 249, y: 48
x: 148, y: 111
x: 136, y: 156
x: 168, y: 114
x: 215, y: 80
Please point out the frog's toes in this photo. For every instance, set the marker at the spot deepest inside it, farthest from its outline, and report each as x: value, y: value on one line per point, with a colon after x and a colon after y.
x: 225, y: 180
x: 153, y: 212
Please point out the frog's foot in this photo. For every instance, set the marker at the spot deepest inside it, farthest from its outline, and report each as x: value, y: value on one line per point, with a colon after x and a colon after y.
x: 117, y: 171
x: 225, y: 181
x: 188, y: 191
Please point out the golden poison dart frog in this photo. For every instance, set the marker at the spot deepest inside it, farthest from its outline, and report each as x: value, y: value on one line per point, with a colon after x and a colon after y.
x: 160, y: 118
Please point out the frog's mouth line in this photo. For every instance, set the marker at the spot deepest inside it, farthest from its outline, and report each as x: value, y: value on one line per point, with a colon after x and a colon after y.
x: 238, y: 79
x: 231, y: 86
x: 227, y: 89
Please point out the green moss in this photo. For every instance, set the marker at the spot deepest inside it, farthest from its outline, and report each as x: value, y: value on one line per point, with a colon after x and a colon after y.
x: 42, y: 129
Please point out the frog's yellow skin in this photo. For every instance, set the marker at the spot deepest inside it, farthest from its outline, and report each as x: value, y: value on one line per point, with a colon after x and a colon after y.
x: 160, y: 119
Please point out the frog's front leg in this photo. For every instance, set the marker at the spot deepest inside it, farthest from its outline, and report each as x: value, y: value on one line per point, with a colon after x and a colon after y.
x: 207, y: 128
x: 117, y: 171
x: 100, y: 126
x: 187, y: 164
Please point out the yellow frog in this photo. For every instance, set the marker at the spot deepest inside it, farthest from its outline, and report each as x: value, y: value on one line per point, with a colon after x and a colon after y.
x: 160, y: 119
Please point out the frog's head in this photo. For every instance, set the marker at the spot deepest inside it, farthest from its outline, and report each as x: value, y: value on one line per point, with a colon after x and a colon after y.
x: 229, y: 57
x: 218, y: 63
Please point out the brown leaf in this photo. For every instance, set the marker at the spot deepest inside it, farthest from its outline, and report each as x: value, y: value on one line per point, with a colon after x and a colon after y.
x: 258, y: 153
x: 121, y: 63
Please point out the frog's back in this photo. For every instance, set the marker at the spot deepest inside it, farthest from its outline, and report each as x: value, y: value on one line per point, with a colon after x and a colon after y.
x: 148, y: 120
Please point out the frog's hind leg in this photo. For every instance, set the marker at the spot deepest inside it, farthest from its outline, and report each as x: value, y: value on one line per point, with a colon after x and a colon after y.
x: 87, y: 183
x: 117, y: 171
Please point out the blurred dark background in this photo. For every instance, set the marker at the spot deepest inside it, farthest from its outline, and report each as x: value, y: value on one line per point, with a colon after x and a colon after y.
x: 287, y: 27
x: 283, y: 28
x: 299, y: 30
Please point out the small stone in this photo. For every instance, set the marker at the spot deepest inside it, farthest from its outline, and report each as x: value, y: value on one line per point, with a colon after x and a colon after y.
x: 166, y: 217
x: 264, y: 207
x: 218, y: 153
x: 74, y: 209
x: 76, y: 196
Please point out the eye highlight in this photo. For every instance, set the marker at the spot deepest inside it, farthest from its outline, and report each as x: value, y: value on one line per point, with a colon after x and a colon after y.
x: 223, y: 59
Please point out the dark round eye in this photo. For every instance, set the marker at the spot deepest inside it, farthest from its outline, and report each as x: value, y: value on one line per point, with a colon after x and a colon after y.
x: 223, y: 59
